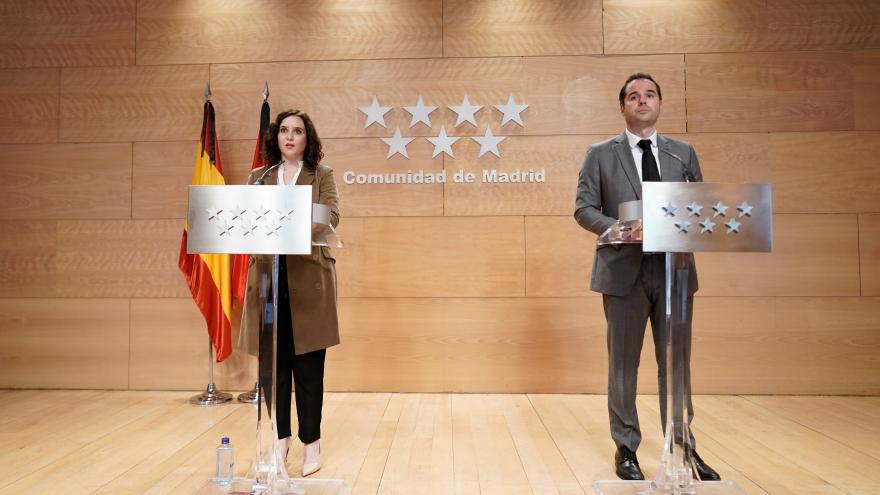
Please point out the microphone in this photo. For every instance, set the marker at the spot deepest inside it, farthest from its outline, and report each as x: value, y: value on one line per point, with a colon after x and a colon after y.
x: 685, y: 172
x: 260, y: 181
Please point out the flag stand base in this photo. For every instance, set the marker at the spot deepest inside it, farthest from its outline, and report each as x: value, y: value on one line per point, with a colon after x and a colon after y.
x: 210, y: 397
x: 251, y: 396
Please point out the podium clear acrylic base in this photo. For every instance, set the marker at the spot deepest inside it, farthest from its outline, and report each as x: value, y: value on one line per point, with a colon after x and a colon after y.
x: 678, y: 218
x: 267, y: 474
x: 620, y: 487
x: 296, y: 486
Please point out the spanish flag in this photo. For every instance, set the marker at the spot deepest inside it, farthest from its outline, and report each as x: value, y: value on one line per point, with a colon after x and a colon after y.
x: 208, y: 275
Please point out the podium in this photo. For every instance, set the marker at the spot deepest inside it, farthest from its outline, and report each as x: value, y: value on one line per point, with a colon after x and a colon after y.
x: 678, y: 218
x: 262, y: 220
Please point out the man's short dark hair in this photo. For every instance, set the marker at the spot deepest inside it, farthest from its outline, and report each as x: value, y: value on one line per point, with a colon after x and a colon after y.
x: 638, y: 75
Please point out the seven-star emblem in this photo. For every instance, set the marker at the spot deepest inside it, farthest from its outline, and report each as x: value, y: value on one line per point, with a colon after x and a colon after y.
x: 511, y: 111
x: 488, y: 142
x: 375, y: 113
x: 442, y: 143
x: 420, y: 113
x: 466, y: 112
x: 397, y: 144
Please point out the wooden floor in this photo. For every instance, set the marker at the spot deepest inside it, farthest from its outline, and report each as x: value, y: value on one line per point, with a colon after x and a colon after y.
x: 75, y: 442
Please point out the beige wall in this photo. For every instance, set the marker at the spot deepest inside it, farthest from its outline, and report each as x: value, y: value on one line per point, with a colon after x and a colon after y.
x: 455, y: 287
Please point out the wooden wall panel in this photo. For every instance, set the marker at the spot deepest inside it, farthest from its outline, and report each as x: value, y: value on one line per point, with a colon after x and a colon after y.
x: 819, y: 25
x: 643, y: 26
x: 470, y: 345
x: 65, y: 181
x: 781, y: 345
x: 132, y: 103
x: 459, y: 287
x: 774, y: 345
x: 813, y: 255
x: 559, y: 257
x: 866, y: 98
x: 724, y: 350
x: 579, y: 95
x: 64, y: 343
x: 521, y: 28
x: 53, y: 33
x: 169, y: 349
x: 27, y: 258
x: 160, y: 176
x: 566, y: 95
x: 29, y: 105
x: 787, y: 345
x: 162, y: 172
x: 121, y: 258
x: 734, y: 341
x: 754, y: 92
x: 353, y: 157
x: 248, y: 31
x: 869, y: 254
x: 237, y: 157
x: 731, y: 157
x: 559, y: 157
x: 834, y: 340
x: 433, y: 257
x: 825, y: 172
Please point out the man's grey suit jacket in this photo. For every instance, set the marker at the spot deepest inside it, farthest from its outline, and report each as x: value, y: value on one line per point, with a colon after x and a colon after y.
x: 609, y: 177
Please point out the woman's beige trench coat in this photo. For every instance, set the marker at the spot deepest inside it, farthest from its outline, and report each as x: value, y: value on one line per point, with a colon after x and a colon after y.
x: 311, y: 279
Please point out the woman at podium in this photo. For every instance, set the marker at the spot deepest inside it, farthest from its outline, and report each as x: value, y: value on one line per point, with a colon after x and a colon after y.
x: 307, y: 316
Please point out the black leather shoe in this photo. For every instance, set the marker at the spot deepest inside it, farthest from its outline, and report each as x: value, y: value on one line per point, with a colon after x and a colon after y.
x: 627, y: 464
x: 704, y: 471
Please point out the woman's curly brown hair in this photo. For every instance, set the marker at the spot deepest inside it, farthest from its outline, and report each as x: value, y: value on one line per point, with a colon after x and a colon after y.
x: 313, y: 154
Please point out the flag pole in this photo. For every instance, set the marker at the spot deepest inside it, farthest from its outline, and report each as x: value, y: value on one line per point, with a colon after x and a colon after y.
x: 211, y: 395
x: 252, y: 396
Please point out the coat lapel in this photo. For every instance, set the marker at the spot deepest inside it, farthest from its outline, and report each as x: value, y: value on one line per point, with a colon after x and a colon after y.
x: 271, y: 178
x: 624, y: 155
x: 307, y: 178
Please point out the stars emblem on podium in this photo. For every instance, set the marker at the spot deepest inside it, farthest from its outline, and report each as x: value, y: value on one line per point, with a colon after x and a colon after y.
x: 707, y: 226
x: 269, y: 222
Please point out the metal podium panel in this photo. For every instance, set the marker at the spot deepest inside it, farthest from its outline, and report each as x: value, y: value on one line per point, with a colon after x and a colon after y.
x: 703, y: 216
x: 249, y: 219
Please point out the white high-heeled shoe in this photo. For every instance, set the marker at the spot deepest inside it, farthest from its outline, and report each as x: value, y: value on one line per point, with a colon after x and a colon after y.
x: 311, y: 458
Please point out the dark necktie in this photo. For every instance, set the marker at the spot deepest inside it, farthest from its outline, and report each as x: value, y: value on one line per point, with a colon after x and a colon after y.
x: 650, y: 173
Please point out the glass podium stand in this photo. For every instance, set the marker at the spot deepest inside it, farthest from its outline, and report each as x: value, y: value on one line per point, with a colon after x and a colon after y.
x: 262, y: 220
x: 678, y: 218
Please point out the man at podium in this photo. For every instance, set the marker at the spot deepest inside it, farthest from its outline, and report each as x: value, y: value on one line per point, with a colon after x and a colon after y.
x: 632, y: 283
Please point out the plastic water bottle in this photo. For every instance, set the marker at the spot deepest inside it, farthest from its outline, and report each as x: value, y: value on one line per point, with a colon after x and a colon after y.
x: 225, y: 463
